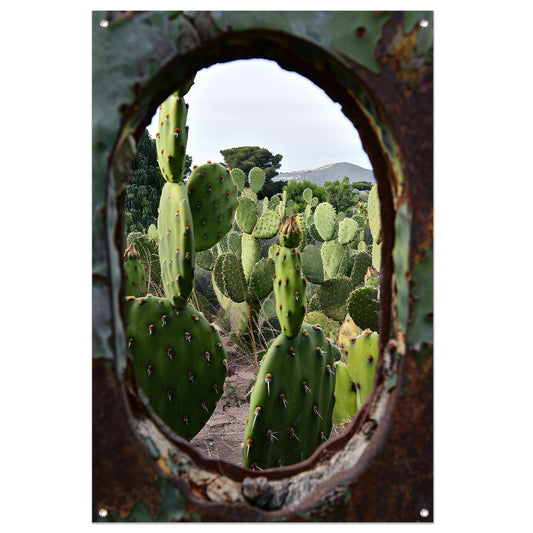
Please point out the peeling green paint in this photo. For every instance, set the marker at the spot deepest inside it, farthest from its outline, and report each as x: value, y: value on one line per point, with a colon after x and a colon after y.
x: 421, y: 326
x: 154, y: 451
x: 400, y: 254
x: 424, y: 38
x: 348, y: 34
x: 172, y: 508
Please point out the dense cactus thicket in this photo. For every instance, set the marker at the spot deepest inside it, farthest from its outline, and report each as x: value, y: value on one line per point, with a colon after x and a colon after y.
x: 285, y: 284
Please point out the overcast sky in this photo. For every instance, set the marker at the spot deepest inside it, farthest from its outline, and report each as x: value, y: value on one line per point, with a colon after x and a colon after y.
x: 257, y: 103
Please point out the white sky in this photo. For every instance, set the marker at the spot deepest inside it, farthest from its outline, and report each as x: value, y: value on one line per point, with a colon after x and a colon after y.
x: 256, y: 103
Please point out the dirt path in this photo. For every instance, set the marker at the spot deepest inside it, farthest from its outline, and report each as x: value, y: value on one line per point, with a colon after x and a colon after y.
x: 222, y: 436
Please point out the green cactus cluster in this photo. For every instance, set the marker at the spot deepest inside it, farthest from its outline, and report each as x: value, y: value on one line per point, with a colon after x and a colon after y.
x: 178, y: 356
x: 292, y: 402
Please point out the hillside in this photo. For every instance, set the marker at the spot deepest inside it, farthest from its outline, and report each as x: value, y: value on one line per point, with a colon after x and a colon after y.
x: 331, y: 172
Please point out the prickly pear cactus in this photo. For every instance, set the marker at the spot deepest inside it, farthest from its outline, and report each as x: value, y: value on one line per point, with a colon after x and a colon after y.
x: 289, y: 285
x: 171, y: 138
x: 176, y: 243
x: 355, y: 379
x: 292, y: 402
x: 179, y: 362
x: 345, y: 396
x: 134, y: 273
x: 325, y: 220
x: 213, y: 200
x: 361, y: 361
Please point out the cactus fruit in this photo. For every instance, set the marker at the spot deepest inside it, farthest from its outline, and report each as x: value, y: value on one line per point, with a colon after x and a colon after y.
x: 176, y: 243
x: 179, y: 362
x: 213, y: 201
x: 292, y: 401
x: 134, y: 273
x: 361, y: 361
x: 363, y: 307
x: 289, y: 285
x: 171, y: 138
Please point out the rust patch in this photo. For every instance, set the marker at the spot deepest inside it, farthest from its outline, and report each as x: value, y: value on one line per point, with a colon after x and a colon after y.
x: 121, y: 475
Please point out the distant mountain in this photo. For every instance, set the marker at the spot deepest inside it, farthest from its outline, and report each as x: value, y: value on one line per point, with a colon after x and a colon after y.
x: 332, y: 172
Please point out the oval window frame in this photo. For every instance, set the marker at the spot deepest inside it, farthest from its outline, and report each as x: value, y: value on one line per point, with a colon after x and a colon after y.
x: 259, y: 491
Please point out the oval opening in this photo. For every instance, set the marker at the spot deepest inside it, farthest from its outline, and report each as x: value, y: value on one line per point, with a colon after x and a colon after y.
x: 256, y: 103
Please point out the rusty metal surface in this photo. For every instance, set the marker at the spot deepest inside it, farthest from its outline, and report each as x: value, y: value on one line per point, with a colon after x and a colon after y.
x: 382, y: 468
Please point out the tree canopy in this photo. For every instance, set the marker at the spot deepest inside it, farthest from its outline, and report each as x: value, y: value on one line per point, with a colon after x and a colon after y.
x: 248, y: 157
x: 295, y: 191
x: 341, y: 195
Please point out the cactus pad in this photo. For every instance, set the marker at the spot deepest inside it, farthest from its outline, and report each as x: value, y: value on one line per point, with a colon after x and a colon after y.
x: 260, y: 283
x: 374, y: 215
x: 292, y: 402
x: 362, y: 261
x: 289, y: 285
x: 134, y: 273
x: 267, y: 226
x: 256, y: 179
x: 176, y: 243
x: 363, y: 307
x: 246, y: 215
x: 171, y: 138
x: 331, y: 297
x: 361, y: 361
x: 345, y: 396
x: 331, y: 252
x: 312, y: 266
x: 213, y: 201
x: 179, y: 362
x: 250, y: 254
x: 348, y: 230
x: 229, y: 277
x: 239, y: 178
x: 325, y: 220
